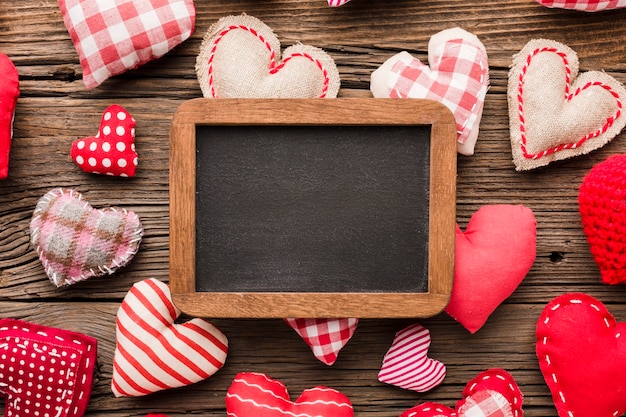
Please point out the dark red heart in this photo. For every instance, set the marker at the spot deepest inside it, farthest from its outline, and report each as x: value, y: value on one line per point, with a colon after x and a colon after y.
x: 9, y: 92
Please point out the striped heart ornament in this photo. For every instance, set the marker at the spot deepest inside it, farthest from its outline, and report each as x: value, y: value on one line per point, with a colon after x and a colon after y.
x: 153, y: 353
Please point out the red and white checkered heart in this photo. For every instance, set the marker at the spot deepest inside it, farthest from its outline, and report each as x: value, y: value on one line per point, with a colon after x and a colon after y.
x: 114, y: 36
x: 153, y: 353
x: 584, y: 5
x: 326, y: 337
x: 407, y: 365
x: 9, y: 93
x: 491, y: 393
x: 112, y: 150
x: 458, y: 77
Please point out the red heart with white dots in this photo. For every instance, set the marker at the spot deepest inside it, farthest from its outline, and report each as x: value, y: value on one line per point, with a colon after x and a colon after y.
x: 45, y: 371
x: 112, y: 150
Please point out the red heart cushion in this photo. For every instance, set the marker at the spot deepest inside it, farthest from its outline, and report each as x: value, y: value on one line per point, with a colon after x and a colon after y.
x: 326, y: 337
x: 584, y: 5
x: 493, y: 256
x: 257, y: 395
x: 9, y: 92
x: 582, y: 355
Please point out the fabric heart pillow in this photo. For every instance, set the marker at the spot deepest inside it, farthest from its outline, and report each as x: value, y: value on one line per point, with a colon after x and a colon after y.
x: 584, y: 5
x: 114, y: 36
x: 325, y: 337
x: 9, y: 93
x: 336, y: 3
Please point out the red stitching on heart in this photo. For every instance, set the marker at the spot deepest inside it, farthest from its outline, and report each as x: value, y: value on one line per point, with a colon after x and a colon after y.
x: 568, y: 97
x: 273, y: 69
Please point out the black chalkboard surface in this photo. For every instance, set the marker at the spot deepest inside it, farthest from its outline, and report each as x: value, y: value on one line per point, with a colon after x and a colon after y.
x: 312, y: 208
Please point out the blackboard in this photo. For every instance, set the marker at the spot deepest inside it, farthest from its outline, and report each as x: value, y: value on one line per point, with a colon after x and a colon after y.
x: 312, y: 208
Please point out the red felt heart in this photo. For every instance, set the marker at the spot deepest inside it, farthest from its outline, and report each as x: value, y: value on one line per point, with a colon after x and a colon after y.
x: 326, y: 337
x: 492, y: 393
x: 493, y: 256
x: 255, y: 394
x: 112, y: 150
x: 582, y: 355
x: 9, y: 92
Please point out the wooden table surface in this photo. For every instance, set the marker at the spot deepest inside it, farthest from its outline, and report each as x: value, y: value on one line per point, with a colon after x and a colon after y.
x: 55, y: 109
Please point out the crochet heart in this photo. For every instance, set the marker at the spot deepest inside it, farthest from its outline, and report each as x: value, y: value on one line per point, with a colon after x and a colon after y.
x: 112, y: 150
x: 555, y: 113
x: 407, y: 365
x: 326, y: 337
x: 582, y: 355
x: 493, y: 256
x: 584, y: 5
x: 9, y: 92
x: 458, y: 77
x: 112, y: 37
x: 45, y: 371
x: 601, y: 205
x: 255, y: 394
x: 240, y: 57
x: 491, y: 393
x: 75, y: 242
x: 152, y: 352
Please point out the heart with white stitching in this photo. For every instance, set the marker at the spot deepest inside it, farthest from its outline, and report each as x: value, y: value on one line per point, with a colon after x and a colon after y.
x: 9, y: 93
x: 240, y: 57
x: 584, y: 5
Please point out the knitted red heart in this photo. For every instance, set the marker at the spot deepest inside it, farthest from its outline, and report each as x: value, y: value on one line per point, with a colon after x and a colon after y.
x: 582, y: 355
x: 493, y: 256
x: 492, y: 393
x: 9, y: 92
x: 255, y: 394
x: 601, y: 205
x: 584, y: 5
x: 153, y: 353
x: 45, y: 371
x: 326, y: 337
x: 112, y: 150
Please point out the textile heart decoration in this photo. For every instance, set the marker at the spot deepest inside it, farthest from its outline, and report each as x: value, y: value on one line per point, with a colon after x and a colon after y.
x: 326, y: 337
x: 492, y: 393
x: 45, y: 371
x: 152, y: 352
x: 255, y: 394
x: 407, y: 365
x: 555, y: 113
x: 75, y: 242
x: 240, y: 58
x: 114, y: 36
x: 584, y: 5
x: 493, y: 256
x: 582, y: 355
x: 458, y: 77
x: 112, y: 150
x: 337, y: 3
x: 9, y: 93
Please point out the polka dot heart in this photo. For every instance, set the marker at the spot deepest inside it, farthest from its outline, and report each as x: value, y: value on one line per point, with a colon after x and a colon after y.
x: 112, y: 150
x: 44, y: 371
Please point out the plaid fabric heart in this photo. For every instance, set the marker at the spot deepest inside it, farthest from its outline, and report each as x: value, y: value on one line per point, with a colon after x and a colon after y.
x: 458, y: 77
x: 114, y: 36
x: 326, y: 337
x: 584, y: 5
x: 76, y: 242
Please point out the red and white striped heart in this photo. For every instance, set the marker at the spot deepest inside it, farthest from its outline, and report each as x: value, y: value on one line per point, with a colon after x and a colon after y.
x: 407, y: 365
x: 337, y: 3
x: 153, y: 353
x: 584, y: 5
x: 326, y: 337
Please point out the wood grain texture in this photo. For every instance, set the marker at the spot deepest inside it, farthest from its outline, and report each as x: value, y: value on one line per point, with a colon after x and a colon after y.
x: 54, y: 109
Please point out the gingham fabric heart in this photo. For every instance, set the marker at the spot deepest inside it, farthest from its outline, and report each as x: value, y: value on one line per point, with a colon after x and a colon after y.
x: 9, y: 93
x: 584, y: 5
x: 114, y: 36
x: 458, y: 77
x: 407, y: 365
x: 75, y: 242
x: 326, y: 337
x: 152, y: 352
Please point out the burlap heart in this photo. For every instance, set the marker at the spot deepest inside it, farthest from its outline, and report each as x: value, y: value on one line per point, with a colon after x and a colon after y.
x: 240, y: 58
x: 554, y: 113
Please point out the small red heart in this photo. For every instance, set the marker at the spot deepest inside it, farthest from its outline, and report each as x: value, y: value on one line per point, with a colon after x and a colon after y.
x: 255, y: 394
x: 584, y: 5
x: 9, y: 92
x: 112, y: 150
x: 325, y: 337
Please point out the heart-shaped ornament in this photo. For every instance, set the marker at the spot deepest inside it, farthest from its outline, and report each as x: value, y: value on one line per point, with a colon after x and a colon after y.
x: 9, y: 93
x: 407, y: 365
x: 584, y: 5
x: 492, y: 258
x: 112, y: 150
x: 555, y: 113
x: 75, y: 242
x: 326, y: 337
x: 153, y: 353
x: 240, y: 57
x: 492, y: 393
x: 582, y: 355
x: 45, y: 370
x: 458, y: 77
x: 337, y: 3
x: 255, y: 394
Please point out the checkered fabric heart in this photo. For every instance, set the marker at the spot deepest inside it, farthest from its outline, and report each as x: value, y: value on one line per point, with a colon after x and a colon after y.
x: 114, y: 36
x: 337, y: 3
x: 584, y: 5
x: 326, y: 337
